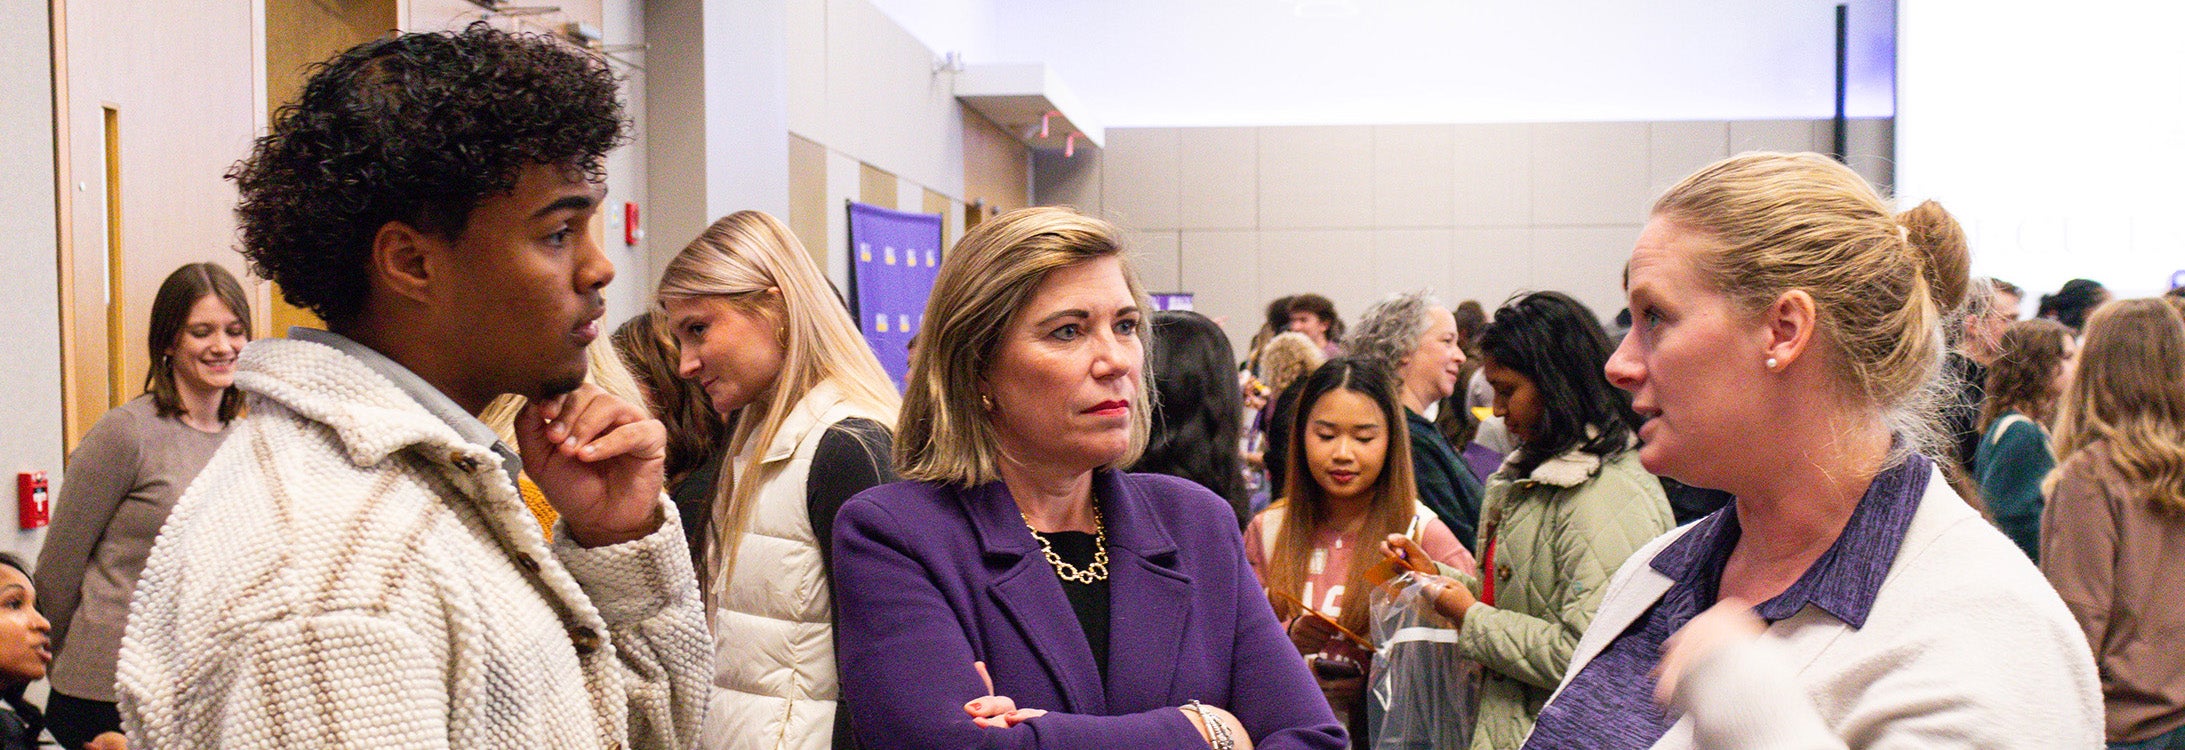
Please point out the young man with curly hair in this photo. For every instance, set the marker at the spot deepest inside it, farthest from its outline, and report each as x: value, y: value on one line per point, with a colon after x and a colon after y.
x: 355, y: 567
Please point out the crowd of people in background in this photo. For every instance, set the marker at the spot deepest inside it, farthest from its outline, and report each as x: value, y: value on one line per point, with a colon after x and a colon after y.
x: 1815, y: 486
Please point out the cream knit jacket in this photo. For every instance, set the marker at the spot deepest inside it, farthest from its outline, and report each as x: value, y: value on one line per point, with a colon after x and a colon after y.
x: 348, y: 572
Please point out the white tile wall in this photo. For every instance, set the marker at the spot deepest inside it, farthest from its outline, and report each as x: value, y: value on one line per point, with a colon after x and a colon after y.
x: 1221, y: 268
x: 1139, y: 185
x: 1316, y: 177
x: 1414, y: 175
x: 1220, y: 178
x: 1589, y: 173
x: 1493, y: 173
x: 1677, y: 149
x: 1584, y: 262
x: 1408, y: 260
x: 1155, y: 256
x: 1775, y: 135
x: 1355, y: 213
x: 1489, y: 264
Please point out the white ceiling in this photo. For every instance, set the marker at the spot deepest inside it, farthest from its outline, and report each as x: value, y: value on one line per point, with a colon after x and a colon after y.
x: 1143, y: 63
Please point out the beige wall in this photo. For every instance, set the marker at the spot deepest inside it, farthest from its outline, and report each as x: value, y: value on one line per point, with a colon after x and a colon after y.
x: 30, y: 425
x: 188, y: 88
x: 1240, y: 216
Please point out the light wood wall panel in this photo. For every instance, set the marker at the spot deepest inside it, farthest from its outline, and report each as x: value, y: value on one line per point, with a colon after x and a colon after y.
x: 997, y: 167
x: 1494, y: 175
x: 808, y: 196
x: 876, y: 186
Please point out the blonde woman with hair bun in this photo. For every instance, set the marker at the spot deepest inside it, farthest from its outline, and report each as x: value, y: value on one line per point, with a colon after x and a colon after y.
x: 1786, y: 345
x: 810, y: 413
x: 2115, y: 523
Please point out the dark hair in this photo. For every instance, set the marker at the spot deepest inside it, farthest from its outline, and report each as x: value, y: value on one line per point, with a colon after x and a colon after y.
x: 2071, y: 304
x: 415, y: 128
x: 170, y: 312
x: 1471, y: 322
x: 1196, y: 427
x: 2027, y: 357
x: 34, y: 720
x: 1557, y: 343
x: 1321, y: 306
x: 1396, y: 500
x: 695, y: 431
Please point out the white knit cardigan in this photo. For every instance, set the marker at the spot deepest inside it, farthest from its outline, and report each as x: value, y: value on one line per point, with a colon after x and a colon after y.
x: 1966, y: 646
x: 347, y: 572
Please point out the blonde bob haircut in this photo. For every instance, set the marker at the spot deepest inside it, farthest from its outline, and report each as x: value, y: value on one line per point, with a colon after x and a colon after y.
x: 752, y: 260
x: 1882, y: 284
x: 946, y: 434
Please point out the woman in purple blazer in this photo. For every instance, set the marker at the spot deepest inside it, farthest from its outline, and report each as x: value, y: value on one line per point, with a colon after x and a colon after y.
x: 1021, y: 592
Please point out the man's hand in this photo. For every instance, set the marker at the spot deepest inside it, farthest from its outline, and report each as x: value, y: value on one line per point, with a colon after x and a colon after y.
x: 599, y: 461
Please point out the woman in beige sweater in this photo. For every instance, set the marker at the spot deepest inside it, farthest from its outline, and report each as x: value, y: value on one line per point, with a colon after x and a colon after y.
x: 124, y: 478
x: 2116, y: 516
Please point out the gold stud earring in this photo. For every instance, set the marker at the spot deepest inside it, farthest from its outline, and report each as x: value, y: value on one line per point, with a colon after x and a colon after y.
x: 986, y: 402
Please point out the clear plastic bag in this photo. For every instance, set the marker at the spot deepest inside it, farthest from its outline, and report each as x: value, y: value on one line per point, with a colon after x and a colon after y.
x: 1423, y: 693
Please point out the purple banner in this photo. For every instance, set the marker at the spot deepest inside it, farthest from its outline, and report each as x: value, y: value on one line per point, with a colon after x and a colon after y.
x: 894, y: 256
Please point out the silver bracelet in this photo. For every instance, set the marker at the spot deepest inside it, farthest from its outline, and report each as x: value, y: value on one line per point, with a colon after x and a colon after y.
x: 1217, y: 733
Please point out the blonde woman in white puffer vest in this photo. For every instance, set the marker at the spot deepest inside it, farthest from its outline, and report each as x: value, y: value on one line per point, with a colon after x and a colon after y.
x: 810, y: 414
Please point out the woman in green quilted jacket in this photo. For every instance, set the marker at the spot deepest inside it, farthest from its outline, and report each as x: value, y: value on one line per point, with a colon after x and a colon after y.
x: 1560, y: 516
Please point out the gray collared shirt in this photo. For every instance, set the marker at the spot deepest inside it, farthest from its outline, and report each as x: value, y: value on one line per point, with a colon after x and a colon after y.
x: 436, y: 403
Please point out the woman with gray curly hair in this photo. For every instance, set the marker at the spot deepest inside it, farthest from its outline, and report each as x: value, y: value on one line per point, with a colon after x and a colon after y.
x: 1415, y: 338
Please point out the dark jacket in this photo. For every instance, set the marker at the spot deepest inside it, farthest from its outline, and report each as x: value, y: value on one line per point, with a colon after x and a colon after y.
x: 1445, y: 485
x: 931, y: 578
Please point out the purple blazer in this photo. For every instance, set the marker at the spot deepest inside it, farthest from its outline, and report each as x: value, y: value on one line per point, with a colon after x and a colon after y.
x: 929, y: 578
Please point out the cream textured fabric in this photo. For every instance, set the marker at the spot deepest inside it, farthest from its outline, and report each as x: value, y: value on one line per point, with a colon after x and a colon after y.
x: 774, y: 678
x: 1966, y: 646
x: 349, y: 573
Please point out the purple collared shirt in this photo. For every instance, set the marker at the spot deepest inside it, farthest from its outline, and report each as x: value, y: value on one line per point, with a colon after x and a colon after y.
x: 1610, y: 704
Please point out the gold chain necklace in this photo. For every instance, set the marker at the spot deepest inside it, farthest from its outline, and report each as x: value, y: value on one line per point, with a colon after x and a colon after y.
x: 1097, y: 571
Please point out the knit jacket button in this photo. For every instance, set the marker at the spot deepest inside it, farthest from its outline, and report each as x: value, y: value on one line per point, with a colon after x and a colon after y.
x: 584, y: 639
x: 465, y: 463
x: 528, y: 564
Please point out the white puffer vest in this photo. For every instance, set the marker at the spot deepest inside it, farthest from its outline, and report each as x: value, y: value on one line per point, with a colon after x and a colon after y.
x: 774, y: 666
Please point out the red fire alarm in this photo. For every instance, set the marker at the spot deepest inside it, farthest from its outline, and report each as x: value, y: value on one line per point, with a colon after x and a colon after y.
x: 631, y: 230
x: 31, y: 509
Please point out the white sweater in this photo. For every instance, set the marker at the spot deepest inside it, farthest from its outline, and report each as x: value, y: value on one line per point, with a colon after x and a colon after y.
x: 1966, y: 646
x: 348, y: 572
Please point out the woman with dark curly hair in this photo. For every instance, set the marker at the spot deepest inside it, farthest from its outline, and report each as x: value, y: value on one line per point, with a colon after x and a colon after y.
x: 2034, y: 360
x: 378, y: 577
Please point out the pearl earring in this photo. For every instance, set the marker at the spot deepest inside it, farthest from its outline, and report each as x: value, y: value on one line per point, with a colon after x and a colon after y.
x: 1771, y: 363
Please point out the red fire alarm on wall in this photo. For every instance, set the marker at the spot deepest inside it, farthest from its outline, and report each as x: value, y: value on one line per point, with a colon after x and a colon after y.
x: 31, y: 508
x: 632, y: 231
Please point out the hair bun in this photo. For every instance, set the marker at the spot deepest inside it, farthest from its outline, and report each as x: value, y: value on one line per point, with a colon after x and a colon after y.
x: 1940, y: 241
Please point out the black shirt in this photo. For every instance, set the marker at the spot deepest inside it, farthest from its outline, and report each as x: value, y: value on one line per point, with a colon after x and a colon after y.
x: 1089, y: 600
